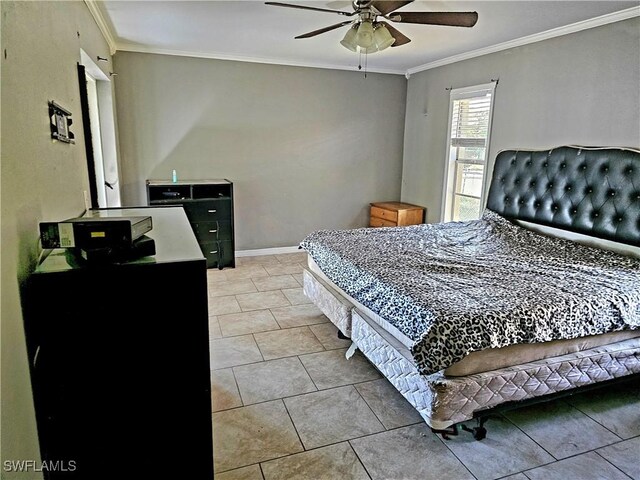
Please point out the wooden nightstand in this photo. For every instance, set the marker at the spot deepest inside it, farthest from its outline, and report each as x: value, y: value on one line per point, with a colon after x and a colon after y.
x: 395, y: 214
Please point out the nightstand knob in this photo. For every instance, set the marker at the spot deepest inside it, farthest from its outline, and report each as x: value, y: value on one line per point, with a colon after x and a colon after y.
x: 212, y: 211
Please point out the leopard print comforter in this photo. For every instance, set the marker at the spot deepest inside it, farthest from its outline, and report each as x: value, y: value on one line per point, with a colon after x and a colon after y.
x: 455, y: 288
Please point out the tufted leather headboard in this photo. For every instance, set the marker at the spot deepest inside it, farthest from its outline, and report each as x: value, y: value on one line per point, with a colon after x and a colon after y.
x: 592, y: 191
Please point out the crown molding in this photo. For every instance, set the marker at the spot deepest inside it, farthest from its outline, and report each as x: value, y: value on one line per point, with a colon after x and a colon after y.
x: 536, y: 37
x: 241, y: 58
x: 102, y: 25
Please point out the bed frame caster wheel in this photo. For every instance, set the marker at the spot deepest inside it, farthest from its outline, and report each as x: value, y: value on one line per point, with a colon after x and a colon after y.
x: 478, y: 432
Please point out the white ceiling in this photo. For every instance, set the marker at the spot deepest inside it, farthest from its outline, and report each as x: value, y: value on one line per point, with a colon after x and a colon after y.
x: 252, y: 31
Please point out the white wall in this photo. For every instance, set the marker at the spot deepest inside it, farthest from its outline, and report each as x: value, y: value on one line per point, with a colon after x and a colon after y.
x: 582, y: 88
x: 40, y: 180
x: 306, y: 148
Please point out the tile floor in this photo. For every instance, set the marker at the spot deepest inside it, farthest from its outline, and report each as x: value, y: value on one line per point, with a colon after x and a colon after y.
x: 288, y: 405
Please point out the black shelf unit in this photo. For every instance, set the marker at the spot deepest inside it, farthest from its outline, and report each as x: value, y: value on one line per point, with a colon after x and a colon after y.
x: 121, y: 378
x: 209, y: 207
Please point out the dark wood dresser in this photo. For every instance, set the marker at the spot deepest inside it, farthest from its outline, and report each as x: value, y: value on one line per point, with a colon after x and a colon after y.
x: 119, y: 358
x: 209, y: 207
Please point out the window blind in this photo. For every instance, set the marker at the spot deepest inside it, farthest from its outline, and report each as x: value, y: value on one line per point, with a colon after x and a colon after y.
x: 470, y: 121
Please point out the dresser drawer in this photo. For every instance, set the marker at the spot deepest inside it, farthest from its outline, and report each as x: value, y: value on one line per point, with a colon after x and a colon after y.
x: 379, y: 222
x: 388, y: 215
x: 218, y: 253
x: 212, y: 231
x: 208, y: 210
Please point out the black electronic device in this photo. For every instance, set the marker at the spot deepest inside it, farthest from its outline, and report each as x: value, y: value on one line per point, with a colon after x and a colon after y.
x: 92, y: 233
x: 142, y: 247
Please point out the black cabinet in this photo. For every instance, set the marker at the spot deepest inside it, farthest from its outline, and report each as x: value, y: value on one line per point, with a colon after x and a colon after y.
x: 209, y: 207
x: 119, y: 358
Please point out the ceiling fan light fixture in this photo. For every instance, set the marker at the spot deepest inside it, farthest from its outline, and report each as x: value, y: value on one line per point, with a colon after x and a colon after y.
x: 349, y: 40
x: 370, y: 50
x: 382, y: 38
x: 364, y: 37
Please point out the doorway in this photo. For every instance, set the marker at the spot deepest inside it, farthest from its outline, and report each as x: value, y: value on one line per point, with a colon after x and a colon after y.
x: 100, y: 134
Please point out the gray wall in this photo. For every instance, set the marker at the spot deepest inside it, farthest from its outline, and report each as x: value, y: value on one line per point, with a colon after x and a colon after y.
x: 41, y: 180
x: 582, y: 88
x: 306, y: 148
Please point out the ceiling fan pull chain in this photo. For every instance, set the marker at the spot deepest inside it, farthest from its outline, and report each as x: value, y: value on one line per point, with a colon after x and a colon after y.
x: 366, y: 57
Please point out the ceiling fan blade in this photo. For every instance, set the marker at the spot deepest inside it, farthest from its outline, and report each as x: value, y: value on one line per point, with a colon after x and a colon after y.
x: 302, y: 7
x: 452, y: 19
x: 323, y: 30
x: 401, y: 39
x: 386, y: 6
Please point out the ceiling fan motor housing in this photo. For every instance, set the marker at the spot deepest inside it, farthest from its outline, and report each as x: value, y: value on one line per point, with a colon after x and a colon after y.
x: 358, y: 4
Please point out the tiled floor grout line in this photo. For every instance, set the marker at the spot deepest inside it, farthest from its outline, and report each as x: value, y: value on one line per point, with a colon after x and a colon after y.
x: 305, y: 393
x: 317, y: 338
x: 257, y: 345
x: 439, y: 437
x: 612, y: 464
x: 299, y: 453
x: 233, y: 373
x: 347, y: 441
x: 594, y: 419
x: 529, y: 437
x: 271, y: 359
x: 307, y: 372
x: 442, y: 440
x: 594, y: 450
x: 239, y: 468
x: 273, y: 329
x: 367, y: 404
x: 240, y: 364
x: 366, y: 470
x: 304, y: 449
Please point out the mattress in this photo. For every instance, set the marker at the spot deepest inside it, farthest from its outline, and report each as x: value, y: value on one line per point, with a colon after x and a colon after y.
x: 338, y: 306
x: 461, y: 287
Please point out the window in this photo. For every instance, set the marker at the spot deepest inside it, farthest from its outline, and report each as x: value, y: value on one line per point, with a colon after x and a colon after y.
x: 470, y: 111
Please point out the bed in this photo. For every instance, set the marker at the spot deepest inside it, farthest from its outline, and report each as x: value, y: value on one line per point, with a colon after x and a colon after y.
x: 465, y: 317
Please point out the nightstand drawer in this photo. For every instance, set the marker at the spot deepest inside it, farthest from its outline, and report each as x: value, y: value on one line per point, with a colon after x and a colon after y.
x: 208, y: 210
x: 395, y: 214
x: 379, y: 222
x: 388, y: 215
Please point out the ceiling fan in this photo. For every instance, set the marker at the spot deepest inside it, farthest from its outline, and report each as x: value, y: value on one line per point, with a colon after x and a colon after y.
x: 367, y: 34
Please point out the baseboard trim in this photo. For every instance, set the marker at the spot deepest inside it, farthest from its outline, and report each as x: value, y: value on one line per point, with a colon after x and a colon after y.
x: 267, y: 251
